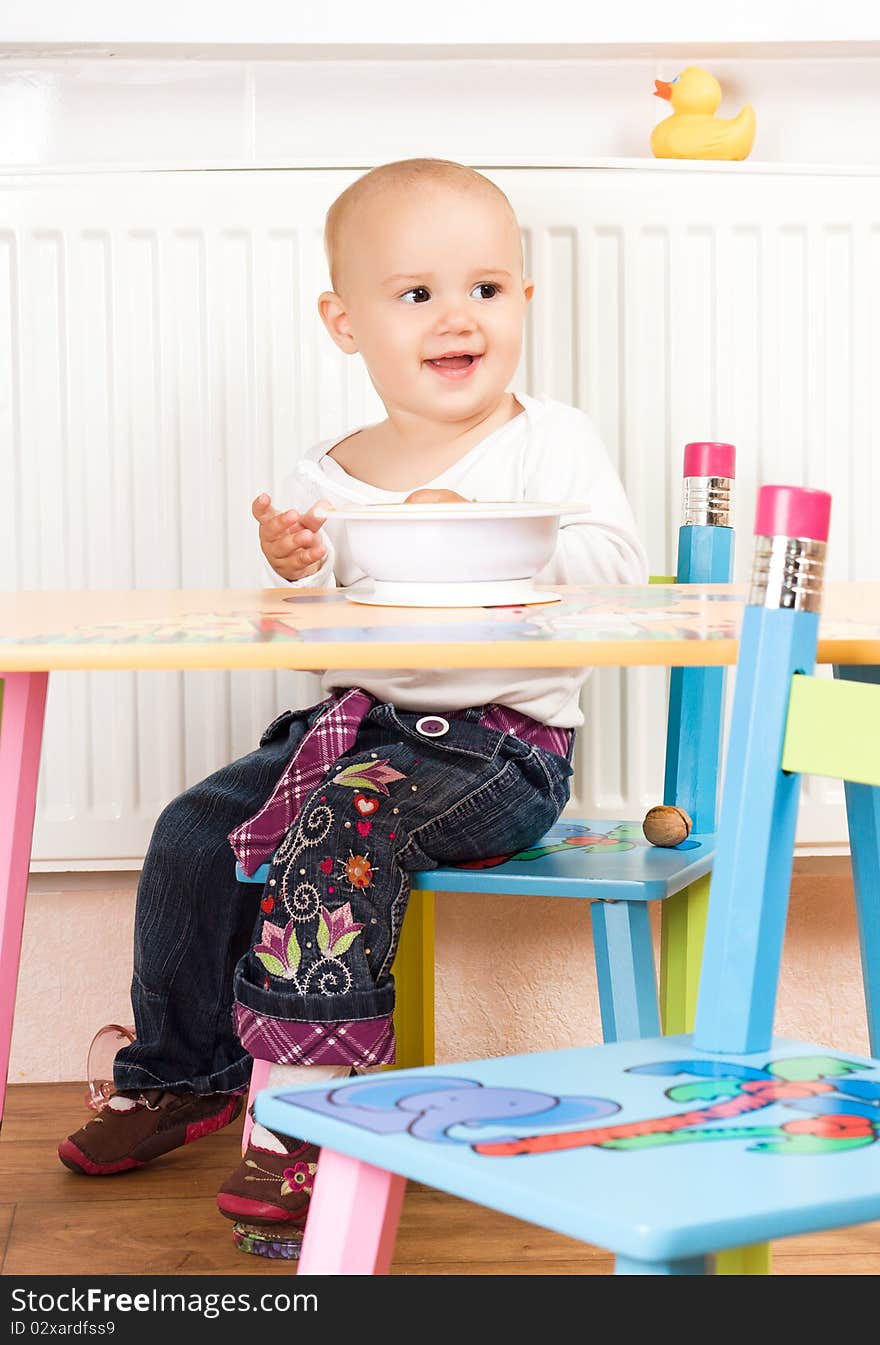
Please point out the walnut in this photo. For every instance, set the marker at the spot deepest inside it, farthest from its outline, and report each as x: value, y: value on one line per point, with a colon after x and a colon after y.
x: 666, y: 825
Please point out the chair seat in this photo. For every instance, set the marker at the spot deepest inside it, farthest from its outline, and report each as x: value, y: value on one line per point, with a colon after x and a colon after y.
x: 697, y: 1153
x: 585, y: 858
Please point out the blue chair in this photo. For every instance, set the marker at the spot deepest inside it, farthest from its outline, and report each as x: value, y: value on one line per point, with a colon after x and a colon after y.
x: 669, y: 1149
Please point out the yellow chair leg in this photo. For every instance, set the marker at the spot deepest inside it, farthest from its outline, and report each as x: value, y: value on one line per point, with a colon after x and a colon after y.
x: 754, y: 1260
x: 413, y: 972
x: 682, y: 930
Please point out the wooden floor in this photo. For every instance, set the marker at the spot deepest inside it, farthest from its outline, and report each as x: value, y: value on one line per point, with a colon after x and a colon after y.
x: 162, y: 1219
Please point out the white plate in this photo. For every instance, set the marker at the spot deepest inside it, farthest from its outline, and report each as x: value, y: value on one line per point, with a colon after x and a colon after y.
x: 504, y: 593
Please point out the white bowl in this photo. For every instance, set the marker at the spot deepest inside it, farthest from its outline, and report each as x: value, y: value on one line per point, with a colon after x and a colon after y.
x: 443, y: 544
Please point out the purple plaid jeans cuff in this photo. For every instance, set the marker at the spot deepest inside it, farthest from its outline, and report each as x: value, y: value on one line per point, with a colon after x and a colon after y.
x: 359, y: 1042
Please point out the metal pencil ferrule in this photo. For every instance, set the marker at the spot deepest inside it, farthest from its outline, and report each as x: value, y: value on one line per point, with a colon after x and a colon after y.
x: 708, y: 501
x: 788, y: 572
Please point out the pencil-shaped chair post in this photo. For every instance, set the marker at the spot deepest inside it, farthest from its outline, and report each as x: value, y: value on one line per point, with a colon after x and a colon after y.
x: 752, y: 875
x: 705, y: 556
x: 695, y: 720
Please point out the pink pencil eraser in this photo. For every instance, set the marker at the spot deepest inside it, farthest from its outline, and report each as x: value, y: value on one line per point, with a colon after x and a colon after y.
x: 702, y: 459
x: 793, y: 511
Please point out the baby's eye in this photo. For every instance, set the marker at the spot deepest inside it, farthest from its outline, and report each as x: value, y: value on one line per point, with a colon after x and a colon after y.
x: 485, y: 290
x: 417, y: 295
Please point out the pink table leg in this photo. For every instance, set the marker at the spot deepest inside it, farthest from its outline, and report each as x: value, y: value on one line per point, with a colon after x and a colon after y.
x: 353, y: 1218
x: 21, y: 734
x: 259, y: 1079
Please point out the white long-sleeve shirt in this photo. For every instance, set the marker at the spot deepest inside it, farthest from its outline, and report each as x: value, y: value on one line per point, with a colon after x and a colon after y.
x: 549, y: 452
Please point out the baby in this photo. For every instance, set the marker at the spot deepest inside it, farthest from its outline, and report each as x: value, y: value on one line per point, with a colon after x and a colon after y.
x: 395, y: 771
x: 427, y: 270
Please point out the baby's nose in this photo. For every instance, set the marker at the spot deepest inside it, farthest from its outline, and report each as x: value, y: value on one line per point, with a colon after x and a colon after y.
x: 455, y: 318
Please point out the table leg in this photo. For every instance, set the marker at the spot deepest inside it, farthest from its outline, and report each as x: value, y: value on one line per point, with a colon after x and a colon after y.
x: 21, y: 734
x: 353, y: 1218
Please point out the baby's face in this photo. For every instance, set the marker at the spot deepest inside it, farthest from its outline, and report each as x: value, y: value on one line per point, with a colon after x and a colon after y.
x: 433, y: 288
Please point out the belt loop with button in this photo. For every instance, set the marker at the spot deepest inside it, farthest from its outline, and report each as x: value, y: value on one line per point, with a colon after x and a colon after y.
x: 432, y: 726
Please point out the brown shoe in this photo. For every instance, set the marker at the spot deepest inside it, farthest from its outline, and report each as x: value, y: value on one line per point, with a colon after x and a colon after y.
x: 273, y: 1182
x: 134, y: 1128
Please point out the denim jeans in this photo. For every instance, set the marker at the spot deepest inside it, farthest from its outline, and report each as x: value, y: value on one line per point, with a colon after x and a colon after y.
x: 284, y: 966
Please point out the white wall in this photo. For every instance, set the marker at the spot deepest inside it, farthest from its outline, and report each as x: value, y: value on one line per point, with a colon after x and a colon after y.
x: 527, y: 111
x: 457, y: 24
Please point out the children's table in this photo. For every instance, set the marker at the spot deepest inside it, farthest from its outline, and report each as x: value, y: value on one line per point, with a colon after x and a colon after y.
x: 661, y: 625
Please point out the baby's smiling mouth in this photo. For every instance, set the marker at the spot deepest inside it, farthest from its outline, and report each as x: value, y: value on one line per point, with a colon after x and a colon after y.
x: 454, y: 366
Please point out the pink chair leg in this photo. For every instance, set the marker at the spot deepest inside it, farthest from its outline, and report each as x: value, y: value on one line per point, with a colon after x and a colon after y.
x: 353, y: 1217
x: 21, y: 735
x: 259, y: 1079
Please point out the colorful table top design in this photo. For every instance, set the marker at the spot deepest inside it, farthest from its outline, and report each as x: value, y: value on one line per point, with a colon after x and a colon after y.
x: 668, y: 625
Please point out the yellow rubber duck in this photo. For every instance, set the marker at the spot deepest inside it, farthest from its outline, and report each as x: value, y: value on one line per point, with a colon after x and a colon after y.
x: 693, y: 131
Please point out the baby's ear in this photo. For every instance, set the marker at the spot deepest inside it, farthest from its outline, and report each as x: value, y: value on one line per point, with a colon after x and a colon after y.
x: 529, y: 290
x: 334, y: 316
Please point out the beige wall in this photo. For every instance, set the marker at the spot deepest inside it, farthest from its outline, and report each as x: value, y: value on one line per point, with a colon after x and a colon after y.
x: 499, y: 988
x: 495, y: 995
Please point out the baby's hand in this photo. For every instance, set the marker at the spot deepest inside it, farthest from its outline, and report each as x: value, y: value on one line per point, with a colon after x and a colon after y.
x: 289, y: 540
x: 435, y: 497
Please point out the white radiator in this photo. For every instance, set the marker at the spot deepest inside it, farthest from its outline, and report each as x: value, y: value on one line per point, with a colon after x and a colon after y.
x: 161, y: 361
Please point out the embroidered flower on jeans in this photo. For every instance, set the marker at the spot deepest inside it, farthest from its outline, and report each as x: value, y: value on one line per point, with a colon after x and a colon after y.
x: 357, y: 871
x: 375, y: 775
x: 281, y: 955
x: 280, y: 951
x: 336, y: 930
